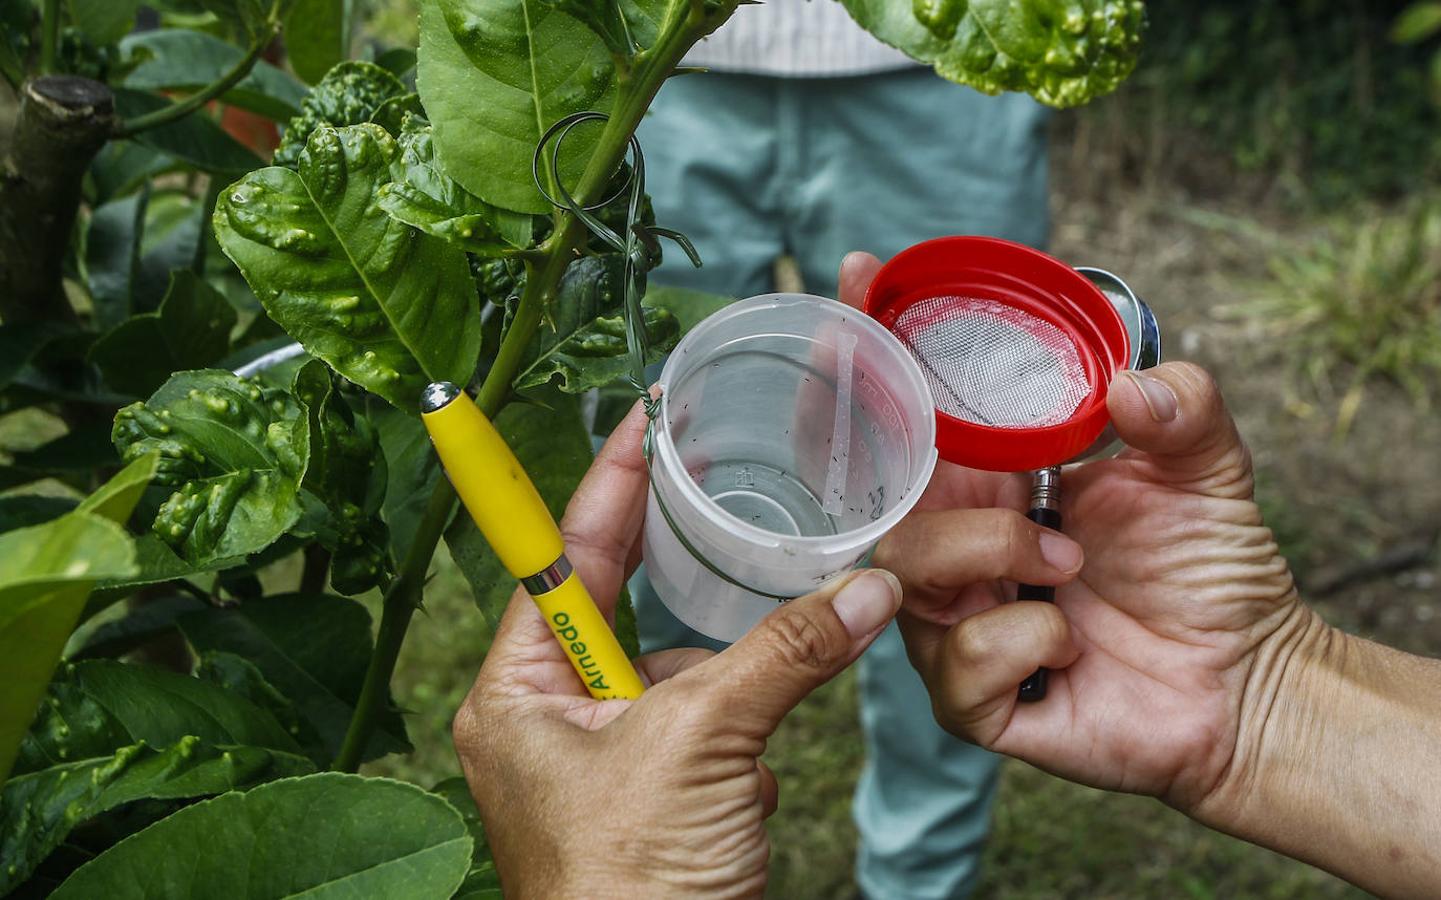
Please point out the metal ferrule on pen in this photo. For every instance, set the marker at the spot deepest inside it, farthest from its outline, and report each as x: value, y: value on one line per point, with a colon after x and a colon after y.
x: 549, y: 578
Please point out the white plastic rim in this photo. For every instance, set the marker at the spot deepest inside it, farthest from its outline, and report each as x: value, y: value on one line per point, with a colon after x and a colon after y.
x: 664, y: 449
x: 720, y: 574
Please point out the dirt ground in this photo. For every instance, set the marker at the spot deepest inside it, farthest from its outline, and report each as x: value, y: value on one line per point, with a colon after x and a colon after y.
x: 1340, y: 503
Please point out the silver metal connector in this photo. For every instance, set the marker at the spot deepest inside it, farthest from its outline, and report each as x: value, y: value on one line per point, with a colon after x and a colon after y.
x: 1046, y: 488
x: 437, y: 395
x: 549, y: 578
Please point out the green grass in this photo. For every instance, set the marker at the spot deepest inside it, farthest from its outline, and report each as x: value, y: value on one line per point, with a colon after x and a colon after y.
x: 1050, y: 839
x: 1360, y: 301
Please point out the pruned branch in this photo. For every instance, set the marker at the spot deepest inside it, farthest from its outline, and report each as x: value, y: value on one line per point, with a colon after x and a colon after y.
x: 64, y: 121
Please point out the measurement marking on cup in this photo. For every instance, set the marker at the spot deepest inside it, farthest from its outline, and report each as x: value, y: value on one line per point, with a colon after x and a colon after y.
x: 877, y: 500
x: 840, y: 440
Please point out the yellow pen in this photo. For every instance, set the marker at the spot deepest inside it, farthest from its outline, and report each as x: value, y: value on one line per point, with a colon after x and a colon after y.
x: 511, y: 514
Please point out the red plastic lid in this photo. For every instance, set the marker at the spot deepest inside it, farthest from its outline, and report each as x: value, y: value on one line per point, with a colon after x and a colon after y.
x: 1018, y: 287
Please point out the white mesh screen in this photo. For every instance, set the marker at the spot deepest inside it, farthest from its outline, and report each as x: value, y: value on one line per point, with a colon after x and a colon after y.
x: 993, y: 364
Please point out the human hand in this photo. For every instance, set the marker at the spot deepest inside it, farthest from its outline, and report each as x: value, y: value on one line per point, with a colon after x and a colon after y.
x: 665, y: 794
x: 1166, y: 640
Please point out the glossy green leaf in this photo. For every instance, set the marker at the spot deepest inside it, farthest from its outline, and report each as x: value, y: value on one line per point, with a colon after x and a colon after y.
x: 392, y: 114
x: 399, y: 61
x: 182, y: 59
x: 347, y: 472
x: 387, y: 307
x: 155, y: 563
x: 425, y: 197
x: 349, y: 94
x: 191, y: 330
x: 556, y: 448
x: 494, y: 75
x: 586, y: 348
x: 114, y: 636
x: 235, y: 453
x: 596, y: 354
x: 46, y: 571
x: 117, y: 498
x: 317, y: 36
x: 601, y: 17
x: 243, y: 678
x: 1062, y: 52
x: 99, y: 705
x: 174, y: 222
x: 314, y: 649
x: 329, y: 835
x: 413, y: 469
x: 104, y: 21
x: 196, y: 139
x: 112, y: 255
x: 38, y: 810
x: 481, y: 881
x: 122, y: 166
x: 109, y: 734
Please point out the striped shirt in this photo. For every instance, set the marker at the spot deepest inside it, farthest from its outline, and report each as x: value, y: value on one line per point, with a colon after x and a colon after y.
x: 796, y: 38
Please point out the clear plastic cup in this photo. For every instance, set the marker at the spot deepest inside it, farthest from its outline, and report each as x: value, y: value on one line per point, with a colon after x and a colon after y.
x: 794, y: 432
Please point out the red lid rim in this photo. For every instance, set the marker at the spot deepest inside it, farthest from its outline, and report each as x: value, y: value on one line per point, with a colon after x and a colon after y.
x: 1009, y: 272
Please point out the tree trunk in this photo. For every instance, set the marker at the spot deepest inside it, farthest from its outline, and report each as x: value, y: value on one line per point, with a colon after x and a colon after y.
x: 63, y: 123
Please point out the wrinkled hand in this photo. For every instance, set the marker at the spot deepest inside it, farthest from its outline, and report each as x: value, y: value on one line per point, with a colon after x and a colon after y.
x: 664, y: 795
x: 1165, y: 648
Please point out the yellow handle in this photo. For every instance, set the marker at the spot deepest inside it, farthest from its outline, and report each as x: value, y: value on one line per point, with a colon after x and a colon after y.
x: 494, y: 488
x: 594, y: 652
x: 511, y: 514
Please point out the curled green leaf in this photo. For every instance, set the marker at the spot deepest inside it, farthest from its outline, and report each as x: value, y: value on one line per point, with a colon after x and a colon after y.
x: 349, y: 94
x: 586, y: 346
x: 424, y: 197
x: 386, y: 306
x: 1062, y: 52
x: 347, y: 472
x: 235, y: 453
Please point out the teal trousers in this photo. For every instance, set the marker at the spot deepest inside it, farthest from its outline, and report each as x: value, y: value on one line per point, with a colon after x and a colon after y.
x: 754, y: 167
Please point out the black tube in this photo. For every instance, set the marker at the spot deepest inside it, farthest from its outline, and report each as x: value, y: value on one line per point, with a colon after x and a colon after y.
x: 1034, y: 687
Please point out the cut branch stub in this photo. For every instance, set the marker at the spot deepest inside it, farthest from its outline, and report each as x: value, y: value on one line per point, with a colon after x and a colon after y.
x: 64, y: 121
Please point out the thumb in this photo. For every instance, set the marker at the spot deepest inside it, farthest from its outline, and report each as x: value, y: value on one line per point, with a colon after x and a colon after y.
x: 858, y: 270
x: 1173, y: 416
x: 797, y: 648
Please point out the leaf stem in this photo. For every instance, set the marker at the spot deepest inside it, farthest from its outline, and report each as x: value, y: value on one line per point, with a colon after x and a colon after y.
x: 49, y: 36
x: 401, y: 600
x: 182, y: 108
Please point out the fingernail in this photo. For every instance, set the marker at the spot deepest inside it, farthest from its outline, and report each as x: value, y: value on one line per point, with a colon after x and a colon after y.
x: 1060, y: 551
x: 868, y: 601
x: 1160, y: 399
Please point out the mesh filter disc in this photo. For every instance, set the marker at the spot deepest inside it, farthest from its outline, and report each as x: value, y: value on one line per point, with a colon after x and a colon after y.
x: 993, y: 364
